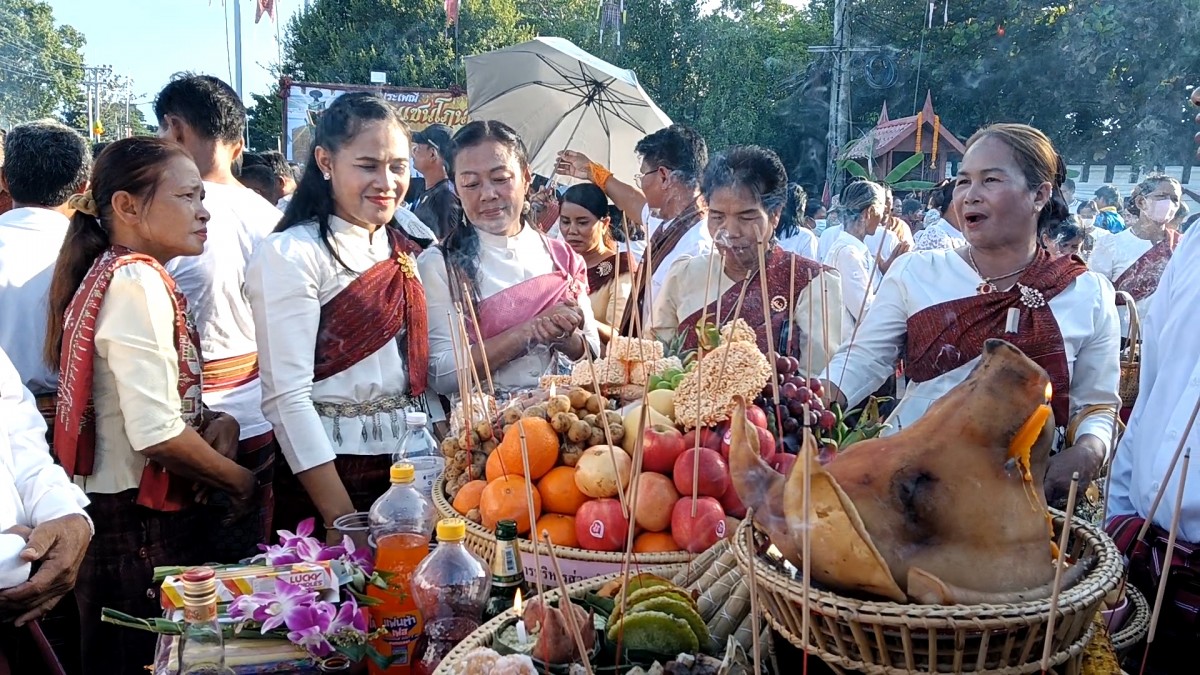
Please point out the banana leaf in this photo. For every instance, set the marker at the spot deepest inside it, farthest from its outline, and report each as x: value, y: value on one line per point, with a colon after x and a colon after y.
x: 903, y: 168
x: 854, y: 168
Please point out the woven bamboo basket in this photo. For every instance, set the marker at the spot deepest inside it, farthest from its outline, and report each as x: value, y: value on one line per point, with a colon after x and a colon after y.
x: 1136, y: 626
x: 889, y: 638
x: 577, y: 564
x: 486, y: 634
x: 1131, y: 364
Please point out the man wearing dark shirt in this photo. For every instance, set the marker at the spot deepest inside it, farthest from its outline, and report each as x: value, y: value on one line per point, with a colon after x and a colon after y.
x: 438, y: 207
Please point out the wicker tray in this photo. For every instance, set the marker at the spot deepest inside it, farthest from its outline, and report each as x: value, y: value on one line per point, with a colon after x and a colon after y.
x: 890, y: 638
x: 1136, y: 626
x: 577, y: 564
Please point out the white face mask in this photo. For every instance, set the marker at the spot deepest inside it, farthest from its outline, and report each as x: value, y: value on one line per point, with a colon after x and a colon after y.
x: 821, y: 223
x: 1087, y: 222
x: 1161, y: 210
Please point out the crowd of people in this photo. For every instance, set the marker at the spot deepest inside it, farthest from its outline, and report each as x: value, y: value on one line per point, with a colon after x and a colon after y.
x: 197, y: 345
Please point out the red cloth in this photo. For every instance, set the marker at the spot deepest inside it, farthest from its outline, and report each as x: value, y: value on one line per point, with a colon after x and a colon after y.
x: 612, y: 266
x: 1141, y: 279
x: 74, y: 424
x: 780, y: 275
x: 518, y: 304
x: 371, y: 311
x: 948, y: 335
x: 662, y: 243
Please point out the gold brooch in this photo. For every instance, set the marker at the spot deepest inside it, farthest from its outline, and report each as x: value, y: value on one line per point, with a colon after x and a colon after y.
x: 778, y: 303
x: 407, y: 265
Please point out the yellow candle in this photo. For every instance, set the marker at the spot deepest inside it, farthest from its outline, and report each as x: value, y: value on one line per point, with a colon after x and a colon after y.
x: 1027, y: 435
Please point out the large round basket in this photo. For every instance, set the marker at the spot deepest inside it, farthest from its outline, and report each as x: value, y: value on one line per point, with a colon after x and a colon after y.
x: 484, y: 636
x: 1136, y: 627
x: 892, y: 638
x: 577, y: 564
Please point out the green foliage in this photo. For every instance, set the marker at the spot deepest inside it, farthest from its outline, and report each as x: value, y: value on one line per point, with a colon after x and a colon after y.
x: 41, y: 66
x: 265, y: 122
x: 112, y: 119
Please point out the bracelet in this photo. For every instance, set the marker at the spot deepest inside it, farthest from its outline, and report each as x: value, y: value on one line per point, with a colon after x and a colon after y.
x: 600, y: 175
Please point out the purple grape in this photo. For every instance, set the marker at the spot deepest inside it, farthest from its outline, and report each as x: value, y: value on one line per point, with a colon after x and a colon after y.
x: 815, y: 385
x: 827, y: 420
x: 782, y: 365
x: 803, y: 394
x: 789, y: 391
x: 814, y: 418
x: 798, y: 381
x: 796, y: 408
x: 790, y: 426
x: 793, y: 364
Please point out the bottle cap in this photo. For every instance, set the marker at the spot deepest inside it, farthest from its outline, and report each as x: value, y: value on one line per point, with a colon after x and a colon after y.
x: 403, y: 472
x: 451, y: 529
x: 506, y: 530
x: 197, y: 575
x: 414, y: 418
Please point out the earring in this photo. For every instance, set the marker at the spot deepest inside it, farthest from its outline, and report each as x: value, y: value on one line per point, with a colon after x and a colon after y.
x: 326, y: 175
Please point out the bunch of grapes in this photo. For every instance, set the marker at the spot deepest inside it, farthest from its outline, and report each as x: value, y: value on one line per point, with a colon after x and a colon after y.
x: 795, y: 394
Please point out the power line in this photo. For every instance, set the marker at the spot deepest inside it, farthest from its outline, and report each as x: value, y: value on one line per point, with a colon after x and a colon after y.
x: 14, y: 41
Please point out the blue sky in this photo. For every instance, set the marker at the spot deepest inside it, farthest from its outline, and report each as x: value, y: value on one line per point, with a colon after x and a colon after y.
x: 149, y: 40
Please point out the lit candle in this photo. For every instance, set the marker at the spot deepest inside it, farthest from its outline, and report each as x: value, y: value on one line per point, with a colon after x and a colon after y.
x: 522, y: 636
x: 1027, y: 435
x: 552, y: 390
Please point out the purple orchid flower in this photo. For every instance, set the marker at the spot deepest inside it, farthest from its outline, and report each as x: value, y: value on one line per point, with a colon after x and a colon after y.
x: 246, y: 606
x: 348, y: 618
x: 312, y: 640
x: 286, y: 603
x: 309, y: 627
x: 362, y: 559
x: 311, y: 550
x: 304, y: 530
x: 278, y: 555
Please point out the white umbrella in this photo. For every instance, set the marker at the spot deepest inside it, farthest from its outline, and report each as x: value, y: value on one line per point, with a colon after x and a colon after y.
x: 557, y: 96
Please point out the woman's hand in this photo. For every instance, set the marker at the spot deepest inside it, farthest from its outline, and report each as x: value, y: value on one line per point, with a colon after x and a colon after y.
x: 557, y: 324
x: 221, y: 431
x: 1083, y: 457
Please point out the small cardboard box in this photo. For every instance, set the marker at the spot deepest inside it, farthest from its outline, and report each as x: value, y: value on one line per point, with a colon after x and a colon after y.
x: 236, y: 581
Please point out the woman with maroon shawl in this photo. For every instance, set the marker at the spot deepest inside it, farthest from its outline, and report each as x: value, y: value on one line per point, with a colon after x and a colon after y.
x: 941, y: 306
x: 130, y: 427
x: 339, y: 315
x: 584, y: 224
x: 530, y: 292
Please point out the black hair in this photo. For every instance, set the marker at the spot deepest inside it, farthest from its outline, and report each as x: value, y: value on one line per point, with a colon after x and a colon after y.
x: 461, y: 245
x: 910, y: 206
x: 277, y: 163
x: 210, y: 106
x: 98, y: 148
x: 677, y: 148
x: 589, y: 196
x: 1109, y: 194
x: 336, y: 126
x: 258, y: 174
x: 1064, y: 231
x: 752, y: 168
x: 1069, y: 184
x: 791, y: 219
x: 942, y: 196
x: 1148, y: 185
x: 1087, y: 205
x: 45, y: 163
x: 812, y: 208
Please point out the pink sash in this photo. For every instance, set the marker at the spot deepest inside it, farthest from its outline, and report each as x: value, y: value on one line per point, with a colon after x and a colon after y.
x: 520, y: 303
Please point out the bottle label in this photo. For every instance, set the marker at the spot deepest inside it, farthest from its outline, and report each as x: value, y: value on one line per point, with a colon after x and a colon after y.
x: 199, y: 613
x: 402, y: 633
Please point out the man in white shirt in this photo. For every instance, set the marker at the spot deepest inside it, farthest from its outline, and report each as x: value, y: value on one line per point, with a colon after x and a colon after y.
x: 41, y: 511
x: 667, y: 183
x: 46, y: 163
x: 206, y: 116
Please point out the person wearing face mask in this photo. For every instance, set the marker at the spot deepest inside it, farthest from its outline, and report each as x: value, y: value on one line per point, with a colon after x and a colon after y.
x: 529, y: 291
x: 584, y: 223
x: 940, y: 307
x: 745, y: 188
x: 340, y: 316
x: 862, y: 213
x: 1135, y: 258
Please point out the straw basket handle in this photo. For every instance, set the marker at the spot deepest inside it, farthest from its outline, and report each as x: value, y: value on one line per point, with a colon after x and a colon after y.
x: 1135, y: 329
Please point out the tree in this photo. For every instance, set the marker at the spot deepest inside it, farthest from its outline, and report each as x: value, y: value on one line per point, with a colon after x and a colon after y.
x: 112, y: 119
x: 265, y: 122
x: 41, y: 66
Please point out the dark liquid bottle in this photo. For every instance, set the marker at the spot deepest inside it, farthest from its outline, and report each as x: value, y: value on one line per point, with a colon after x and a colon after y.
x: 508, y: 575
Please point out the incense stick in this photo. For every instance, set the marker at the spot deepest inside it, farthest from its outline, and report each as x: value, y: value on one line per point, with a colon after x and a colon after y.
x: 1058, y: 570
x: 712, y: 258
x: 635, y: 480
x: 1162, y: 580
x: 753, y: 591
x: 766, y: 310
x: 487, y: 368
x: 1187, y: 431
x: 569, y: 612
x: 825, y: 393
x: 808, y: 450
x: 858, y: 321
x: 791, y: 309
x: 462, y: 399
x: 607, y: 433
x: 808, y: 372
x: 537, y: 563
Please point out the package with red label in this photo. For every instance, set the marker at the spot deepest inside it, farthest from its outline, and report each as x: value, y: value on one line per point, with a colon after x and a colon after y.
x: 238, y: 580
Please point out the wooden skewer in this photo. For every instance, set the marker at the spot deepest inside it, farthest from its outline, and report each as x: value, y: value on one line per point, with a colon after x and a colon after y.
x: 472, y: 379
x: 1112, y: 454
x: 808, y: 372
x: 808, y: 456
x: 1058, y: 570
x: 459, y: 375
x: 565, y: 597
x: 825, y: 393
x: 712, y: 259
x: 754, y: 611
x: 476, y: 383
x: 1162, y: 580
x: 607, y: 433
x: 1187, y: 431
x: 862, y: 308
x: 537, y: 563
x: 791, y: 309
x: 636, y: 471
x: 487, y: 368
x: 766, y: 310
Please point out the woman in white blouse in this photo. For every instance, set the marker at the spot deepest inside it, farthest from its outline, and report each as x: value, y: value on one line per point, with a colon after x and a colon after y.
x: 339, y: 314
x: 529, y: 291
x: 130, y: 428
x: 862, y: 210
x: 941, y: 233
x: 941, y: 306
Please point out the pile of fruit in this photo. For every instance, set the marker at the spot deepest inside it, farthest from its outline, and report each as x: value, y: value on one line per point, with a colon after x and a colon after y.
x: 796, y: 396
x: 624, y: 371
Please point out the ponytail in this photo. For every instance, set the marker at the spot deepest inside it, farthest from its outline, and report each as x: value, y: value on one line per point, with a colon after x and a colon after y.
x: 86, y: 239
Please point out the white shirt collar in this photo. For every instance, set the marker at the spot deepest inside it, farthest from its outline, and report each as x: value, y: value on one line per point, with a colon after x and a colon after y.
x: 500, y: 241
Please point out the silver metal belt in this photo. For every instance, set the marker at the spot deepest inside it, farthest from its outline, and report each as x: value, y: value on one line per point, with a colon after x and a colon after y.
x: 369, y: 413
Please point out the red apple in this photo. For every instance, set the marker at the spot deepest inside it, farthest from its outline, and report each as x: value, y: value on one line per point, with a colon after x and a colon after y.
x: 656, y: 496
x: 783, y: 462
x: 710, y: 437
x: 661, y: 446
x: 732, y: 504
x: 766, y: 443
x: 756, y: 416
x: 599, y: 525
x: 713, y: 478
x: 700, y: 532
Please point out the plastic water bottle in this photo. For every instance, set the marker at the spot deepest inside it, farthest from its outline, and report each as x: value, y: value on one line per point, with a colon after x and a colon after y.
x: 418, y: 447
x: 451, y: 587
x: 401, y: 524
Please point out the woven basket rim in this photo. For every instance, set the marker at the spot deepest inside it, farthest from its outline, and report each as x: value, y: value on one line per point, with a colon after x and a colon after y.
x: 1101, y: 579
x: 483, y: 536
x: 1137, y: 626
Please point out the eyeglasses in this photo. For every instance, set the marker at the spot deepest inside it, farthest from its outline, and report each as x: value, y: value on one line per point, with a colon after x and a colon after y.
x: 637, y: 177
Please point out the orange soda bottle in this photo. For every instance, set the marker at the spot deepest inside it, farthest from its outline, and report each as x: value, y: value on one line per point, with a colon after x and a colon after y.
x: 401, y: 523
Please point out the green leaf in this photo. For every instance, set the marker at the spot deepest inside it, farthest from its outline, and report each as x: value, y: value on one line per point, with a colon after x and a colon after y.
x: 854, y: 168
x: 904, y: 167
x: 916, y: 185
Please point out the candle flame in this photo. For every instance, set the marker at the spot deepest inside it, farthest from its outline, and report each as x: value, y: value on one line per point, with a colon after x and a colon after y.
x: 1049, y: 391
x: 517, y: 601
x: 552, y: 390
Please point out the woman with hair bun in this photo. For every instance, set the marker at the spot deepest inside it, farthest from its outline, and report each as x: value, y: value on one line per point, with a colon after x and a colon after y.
x: 584, y: 223
x: 746, y: 189
x: 940, y: 307
x: 863, y: 206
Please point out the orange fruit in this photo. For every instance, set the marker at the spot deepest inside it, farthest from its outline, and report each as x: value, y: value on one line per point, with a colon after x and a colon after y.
x: 468, y: 496
x: 495, y: 469
x: 561, y: 529
x: 506, y: 498
x: 655, y: 542
x: 540, y: 439
x: 560, y: 494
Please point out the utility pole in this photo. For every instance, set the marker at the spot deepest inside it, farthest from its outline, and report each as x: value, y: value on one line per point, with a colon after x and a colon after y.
x: 94, y: 78
x: 237, y: 47
x: 839, y: 129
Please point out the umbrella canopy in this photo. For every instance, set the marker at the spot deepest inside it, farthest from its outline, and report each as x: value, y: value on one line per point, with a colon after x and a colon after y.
x: 557, y: 96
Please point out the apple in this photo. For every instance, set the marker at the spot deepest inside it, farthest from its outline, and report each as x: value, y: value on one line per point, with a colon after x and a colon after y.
x: 599, y: 525
x: 710, y: 437
x: 656, y: 496
x: 632, y: 423
x: 766, y: 443
x: 698, y: 533
x: 661, y: 446
x: 713, y: 477
x: 782, y: 462
x: 756, y: 416
x: 731, y: 503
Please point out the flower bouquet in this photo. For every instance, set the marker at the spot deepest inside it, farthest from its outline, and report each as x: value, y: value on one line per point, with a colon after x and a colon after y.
x: 331, y: 627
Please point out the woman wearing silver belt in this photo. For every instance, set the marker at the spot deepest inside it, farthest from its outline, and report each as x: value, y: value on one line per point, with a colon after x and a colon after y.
x: 340, y: 317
